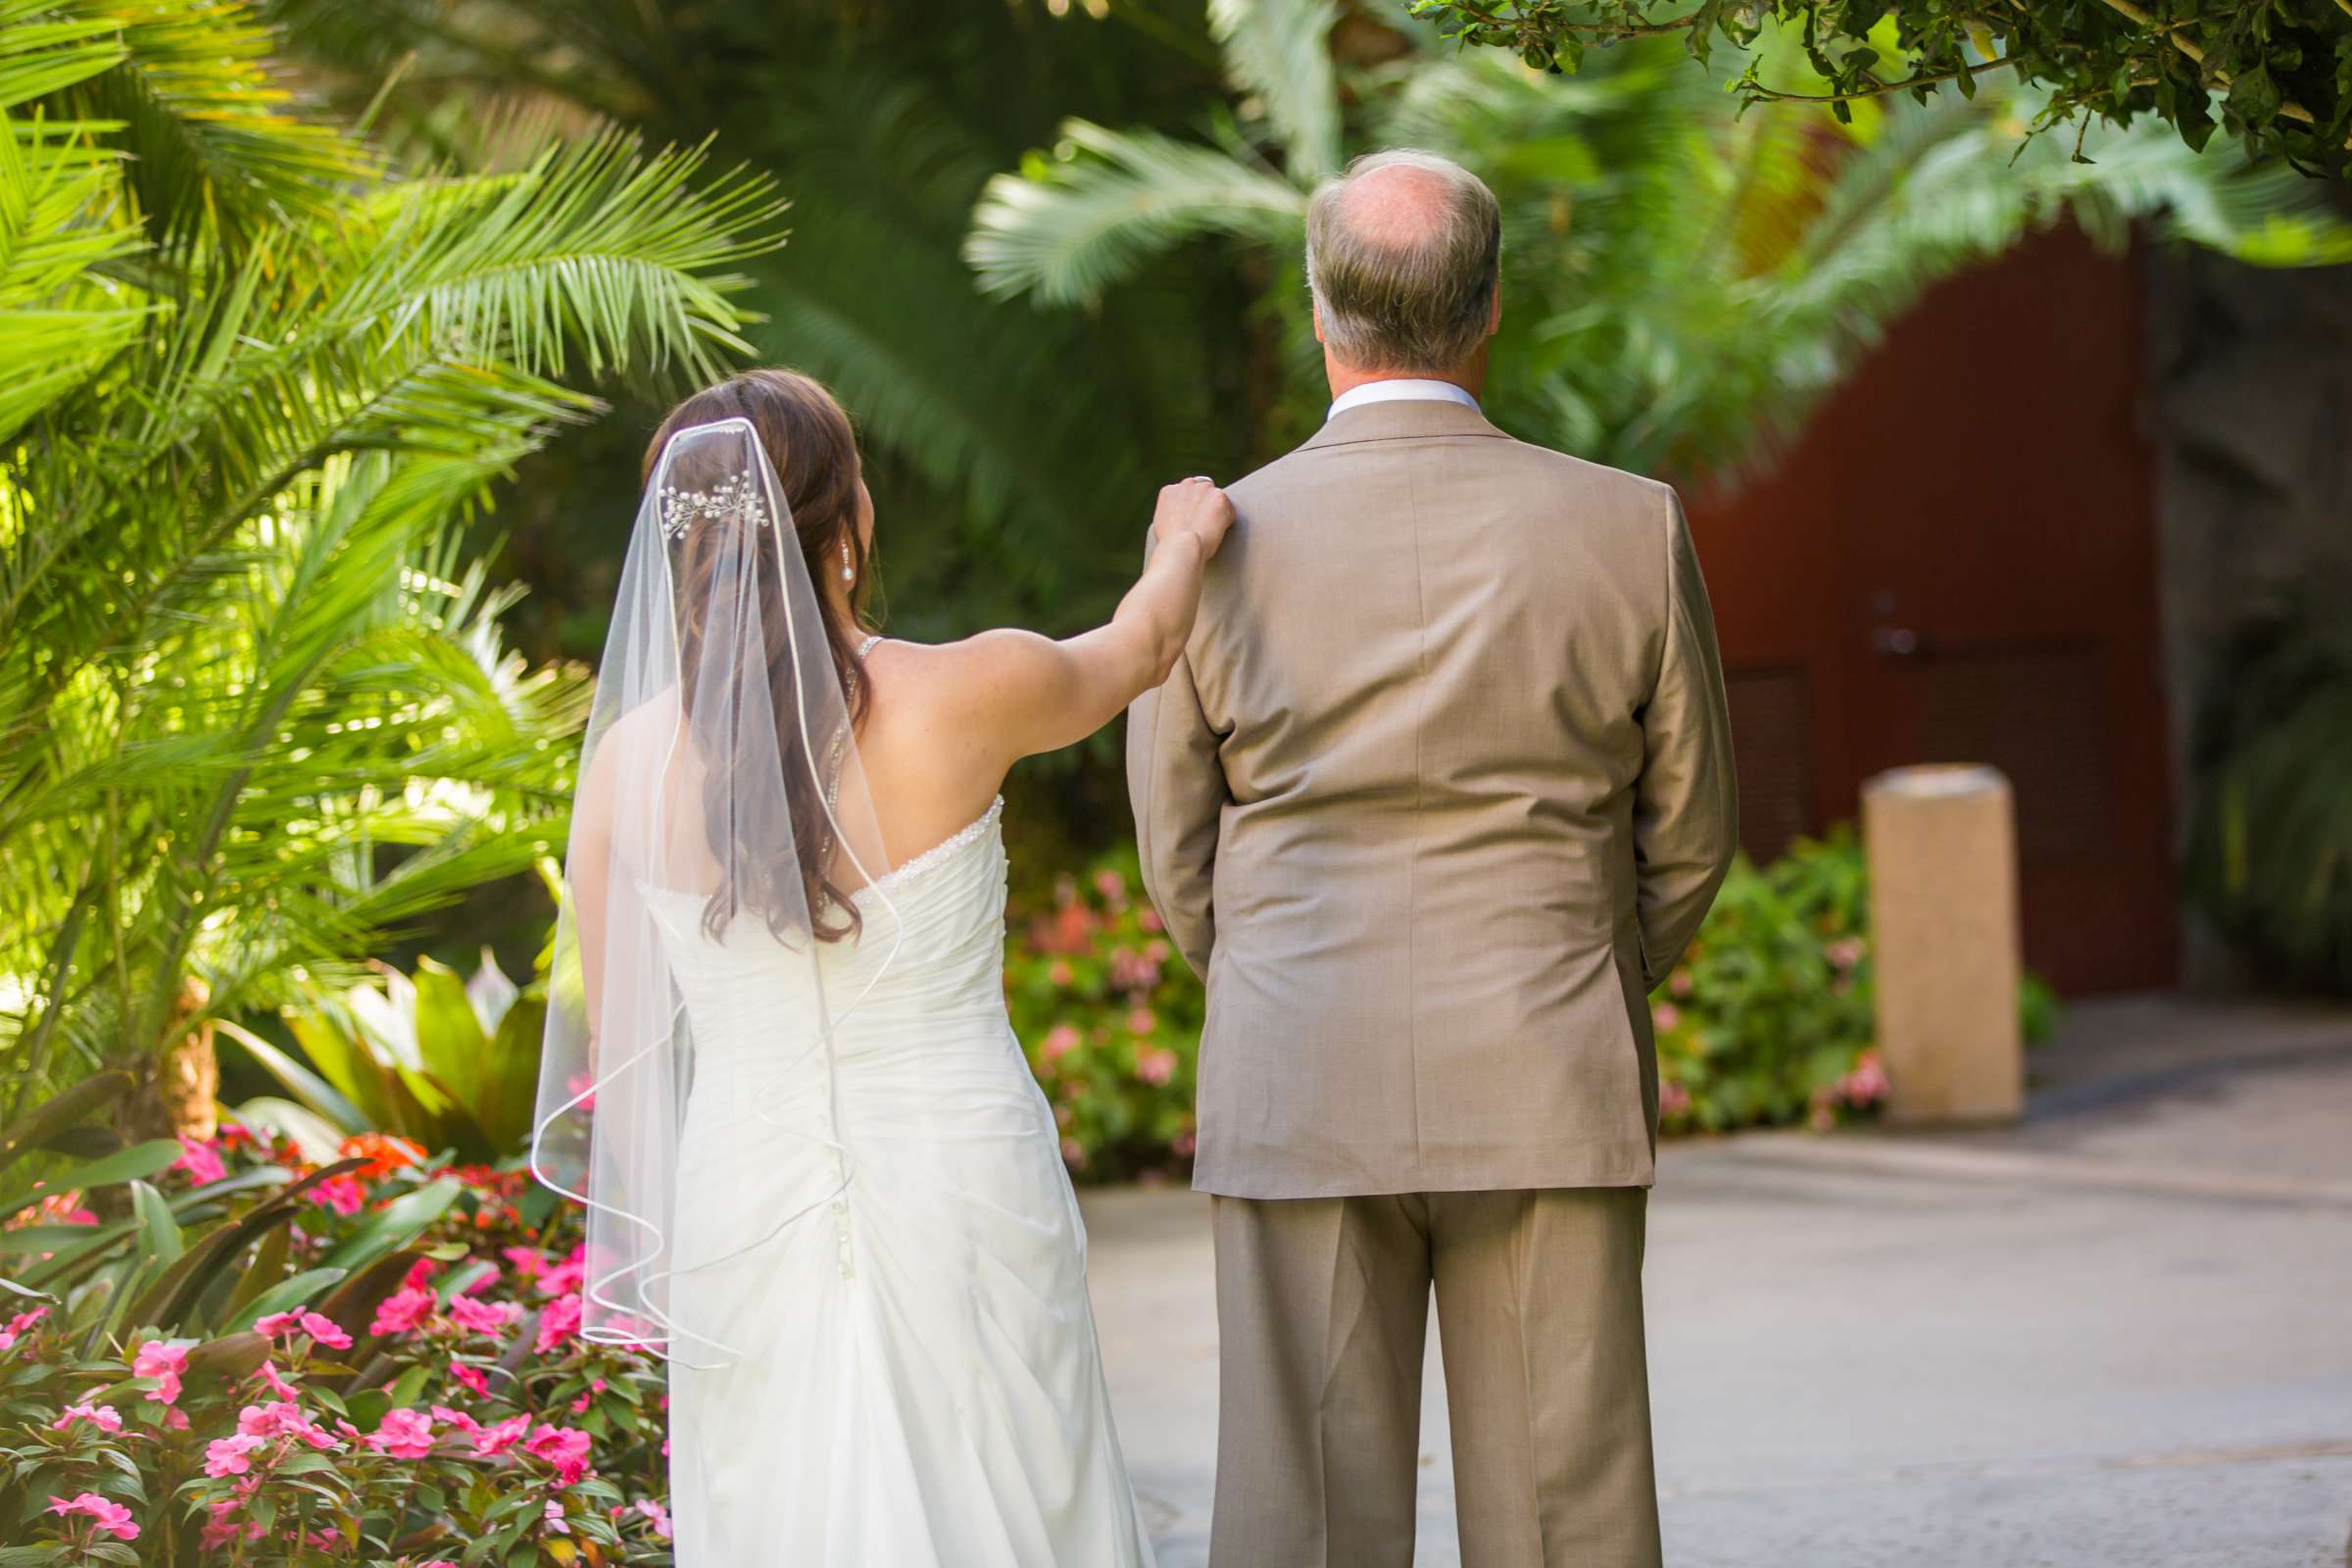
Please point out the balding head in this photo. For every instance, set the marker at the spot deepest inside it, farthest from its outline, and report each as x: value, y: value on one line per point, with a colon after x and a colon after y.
x: 1401, y: 250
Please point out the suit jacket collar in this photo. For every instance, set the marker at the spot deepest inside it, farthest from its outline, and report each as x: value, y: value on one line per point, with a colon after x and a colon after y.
x: 1401, y: 420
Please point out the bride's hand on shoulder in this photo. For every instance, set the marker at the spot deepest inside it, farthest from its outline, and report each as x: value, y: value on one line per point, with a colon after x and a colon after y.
x: 1018, y: 693
x: 1192, y: 509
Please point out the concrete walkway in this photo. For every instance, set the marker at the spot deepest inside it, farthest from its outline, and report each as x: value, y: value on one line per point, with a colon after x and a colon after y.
x: 2120, y: 1332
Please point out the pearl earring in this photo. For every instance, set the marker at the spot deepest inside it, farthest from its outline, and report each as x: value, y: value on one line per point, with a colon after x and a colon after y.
x: 849, y: 574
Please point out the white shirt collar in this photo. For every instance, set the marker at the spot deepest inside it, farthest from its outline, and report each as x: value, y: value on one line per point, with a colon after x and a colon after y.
x: 1400, y: 390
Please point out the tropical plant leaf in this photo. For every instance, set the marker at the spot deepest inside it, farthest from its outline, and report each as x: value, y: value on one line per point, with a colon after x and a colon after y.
x: 393, y: 1226
x: 1069, y: 226
x: 1280, y: 52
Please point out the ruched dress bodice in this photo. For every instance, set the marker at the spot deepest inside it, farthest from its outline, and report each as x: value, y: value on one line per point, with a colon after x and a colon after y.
x: 880, y: 1253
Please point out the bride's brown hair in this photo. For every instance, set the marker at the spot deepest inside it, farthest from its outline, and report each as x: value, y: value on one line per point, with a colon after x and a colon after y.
x: 814, y: 453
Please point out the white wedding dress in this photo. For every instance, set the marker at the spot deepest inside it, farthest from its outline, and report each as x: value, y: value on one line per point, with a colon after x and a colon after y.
x: 910, y: 1375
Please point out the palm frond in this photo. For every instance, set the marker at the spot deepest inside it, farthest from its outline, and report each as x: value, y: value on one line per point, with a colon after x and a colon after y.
x: 1066, y: 228
x: 1278, y: 52
x: 212, y: 131
x: 58, y: 224
x: 592, y: 245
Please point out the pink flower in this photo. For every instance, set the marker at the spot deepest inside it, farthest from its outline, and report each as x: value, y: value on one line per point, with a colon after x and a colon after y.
x: 424, y: 1269
x: 230, y: 1456
x: 103, y: 1417
x: 318, y: 1325
x: 1060, y: 973
x: 502, y: 1436
x: 404, y: 1435
x: 1865, y: 1085
x: 1664, y: 1016
x: 554, y: 1514
x: 652, y: 1509
x: 1073, y: 1154
x: 224, y: 1528
x: 559, y: 1322
x: 528, y: 1263
x: 282, y: 1418
x: 583, y: 1085
x: 1060, y: 1041
x: 1142, y: 1021
x: 1150, y: 921
x: 565, y: 1448
x: 471, y: 1379
x: 1680, y: 983
x: 21, y: 1325
x: 480, y: 1317
x: 1846, y: 953
x: 458, y: 1419
x: 345, y: 1196
x: 409, y: 1307
x: 64, y: 1208
x: 111, y: 1517
x: 1134, y: 971
x: 568, y: 1275
x: 267, y: 1372
x: 1156, y: 1066
x: 1673, y: 1097
x: 163, y: 1361
x: 199, y: 1159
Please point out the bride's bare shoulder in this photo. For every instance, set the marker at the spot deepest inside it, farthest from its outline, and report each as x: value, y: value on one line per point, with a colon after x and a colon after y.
x: 971, y: 675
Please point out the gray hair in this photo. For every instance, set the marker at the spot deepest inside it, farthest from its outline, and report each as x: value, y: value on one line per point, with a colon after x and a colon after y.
x: 1419, y: 303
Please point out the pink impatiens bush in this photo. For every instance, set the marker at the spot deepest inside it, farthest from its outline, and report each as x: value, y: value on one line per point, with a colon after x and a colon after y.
x: 1110, y: 1017
x: 367, y: 1387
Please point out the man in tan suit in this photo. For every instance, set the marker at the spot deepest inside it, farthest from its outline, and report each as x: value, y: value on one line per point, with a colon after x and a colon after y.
x: 1440, y: 789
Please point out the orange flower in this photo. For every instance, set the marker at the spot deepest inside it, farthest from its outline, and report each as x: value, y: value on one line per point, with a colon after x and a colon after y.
x: 383, y: 1152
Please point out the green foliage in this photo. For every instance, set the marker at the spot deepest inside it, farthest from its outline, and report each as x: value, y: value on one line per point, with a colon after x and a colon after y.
x: 2278, y: 74
x: 254, y: 711
x: 176, y: 1262
x: 1768, y: 1019
x: 1680, y: 283
x: 374, y: 1360
x: 1111, y: 1018
x: 1002, y: 497
x: 450, y: 1062
x: 2270, y: 855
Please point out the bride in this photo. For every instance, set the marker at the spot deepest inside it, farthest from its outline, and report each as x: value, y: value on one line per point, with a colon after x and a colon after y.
x: 778, y: 1070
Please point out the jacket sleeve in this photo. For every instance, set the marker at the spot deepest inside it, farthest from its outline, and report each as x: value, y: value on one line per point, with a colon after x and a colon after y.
x: 1176, y: 783
x: 1686, y: 802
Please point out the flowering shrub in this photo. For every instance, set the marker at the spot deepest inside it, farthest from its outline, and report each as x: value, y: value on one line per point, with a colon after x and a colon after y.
x: 1769, y: 1019
x: 1110, y: 1017
x: 391, y: 1374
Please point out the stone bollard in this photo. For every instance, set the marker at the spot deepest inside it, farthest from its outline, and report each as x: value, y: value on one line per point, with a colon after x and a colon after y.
x: 1943, y: 849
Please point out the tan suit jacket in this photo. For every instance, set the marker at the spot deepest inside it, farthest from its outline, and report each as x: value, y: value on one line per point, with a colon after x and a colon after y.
x: 1440, y: 787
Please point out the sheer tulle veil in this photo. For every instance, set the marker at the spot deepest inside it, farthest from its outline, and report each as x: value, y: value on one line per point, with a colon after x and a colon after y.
x: 720, y: 793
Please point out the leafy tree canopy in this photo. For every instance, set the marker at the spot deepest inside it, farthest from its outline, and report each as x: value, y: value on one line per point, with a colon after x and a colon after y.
x: 2275, y: 74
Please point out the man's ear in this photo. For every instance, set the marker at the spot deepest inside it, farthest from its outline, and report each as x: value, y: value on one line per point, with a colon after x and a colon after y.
x: 1315, y: 308
x: 1494, y: 311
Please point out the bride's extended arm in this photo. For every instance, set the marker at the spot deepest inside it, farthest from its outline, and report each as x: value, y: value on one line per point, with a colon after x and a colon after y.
x: 1040, y: 695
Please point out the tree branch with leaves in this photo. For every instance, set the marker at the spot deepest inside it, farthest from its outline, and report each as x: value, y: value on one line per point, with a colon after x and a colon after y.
x: 2276, y: 75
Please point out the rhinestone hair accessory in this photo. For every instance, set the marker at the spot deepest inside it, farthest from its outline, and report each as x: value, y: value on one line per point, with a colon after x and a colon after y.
x: 734, y: 496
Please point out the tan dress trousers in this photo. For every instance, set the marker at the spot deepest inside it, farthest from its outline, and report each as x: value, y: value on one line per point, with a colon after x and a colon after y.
x: 1323, y: 1309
